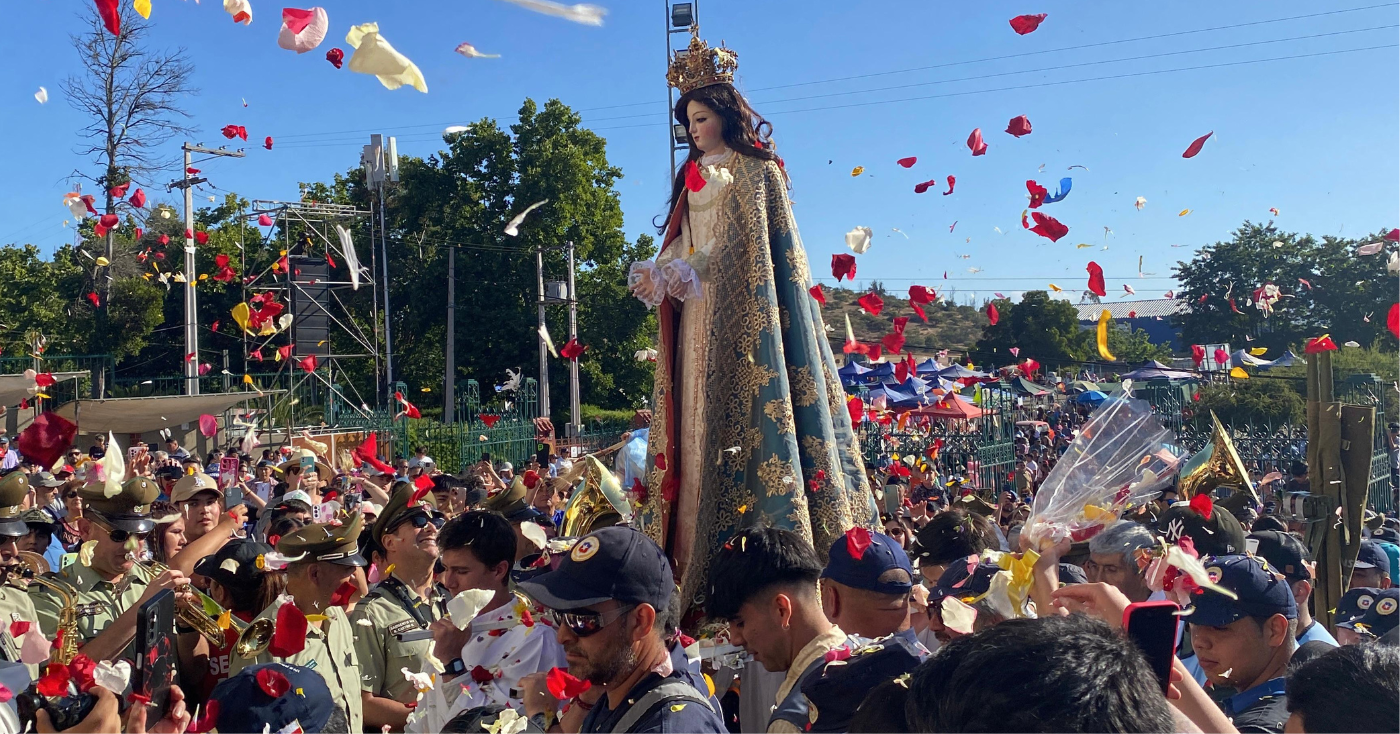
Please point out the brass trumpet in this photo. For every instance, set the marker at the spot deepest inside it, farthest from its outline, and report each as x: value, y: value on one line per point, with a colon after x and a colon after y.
x: 255, y: 638
x: 201, y: 612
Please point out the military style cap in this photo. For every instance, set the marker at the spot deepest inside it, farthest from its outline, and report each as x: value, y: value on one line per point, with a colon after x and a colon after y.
x: 129, y: 509
x: 13, y: 488
x: 513, y: 503
x: 191, y: 485
x: 338, y: 544
x: 1378, y: 616
x: 399, y: 507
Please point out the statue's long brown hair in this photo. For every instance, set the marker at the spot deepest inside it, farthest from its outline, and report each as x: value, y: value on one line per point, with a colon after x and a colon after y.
x: 744, y: 131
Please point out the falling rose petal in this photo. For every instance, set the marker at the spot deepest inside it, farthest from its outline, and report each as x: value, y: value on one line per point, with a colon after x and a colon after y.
x: 975, y: 144
x: 992, y: 315
x: 952, y: 181
x: 859, y: 239
x: 893, y: 343
x: 1323, y: 343
x: 336, y: 57
x: 201, y: 237
x: 111, y: 16
x: 843, y: 266
x: 872, y: 303
x: 564, y: 686
x: 920, y: 188
x: 957, y: 615
x: 1048, y: 227
x: 267, y: 142
x: 289, y: 635
x: 1392, y: 319
x: 1096, y: 284
x: 1037, y: 193
x: 693, y: 180
x: 138, y: 199
x: 273, y: 682
x: 1024, y: 24
x: 817, y: 293
x: 1196, y: 145
x: 208, y: 426
x: 1019, y: 125
x: 302, y: 30
x: 572, y: 350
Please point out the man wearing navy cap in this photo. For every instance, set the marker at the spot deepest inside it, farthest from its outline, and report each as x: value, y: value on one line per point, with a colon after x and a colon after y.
x: 1246, y: 643
x: 1288, y: 555
x: 605, y: 598
x: 276, y: 697
x: 866, y: 583
x: 1365, y: 614
x: 1372, y: 568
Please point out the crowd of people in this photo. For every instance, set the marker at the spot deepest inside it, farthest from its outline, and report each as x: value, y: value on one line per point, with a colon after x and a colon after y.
x: 391, y: 596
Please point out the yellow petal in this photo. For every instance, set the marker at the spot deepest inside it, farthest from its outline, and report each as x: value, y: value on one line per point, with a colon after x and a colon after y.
x: 143, y: 8
x: 1055, y: 288
x: 857, y: 170
x: 247, y: 379
x: 225, y: 620
x: 1104, y: 319
x: 316, y: 617
x: 103, y: 262
x: 204, y: 276
x: 1184, y: 212
x: 1239, y: 373
x: 1258, y: 351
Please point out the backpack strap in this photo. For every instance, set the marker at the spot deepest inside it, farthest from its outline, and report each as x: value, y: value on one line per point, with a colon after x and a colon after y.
x: 794, y: 708
x: 668, y: 691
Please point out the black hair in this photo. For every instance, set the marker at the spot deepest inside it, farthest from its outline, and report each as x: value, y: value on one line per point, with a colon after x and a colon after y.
x: 282, y: 524
x: 755, y: 560
x: 882, y: 710
x: 1053, y: 674
x: 488, y: 535
x: 473, y: 720
x: 337, y: 723
x: 954, y: 534
x: 1268, y: 522
x: 1355, y: 688
x: 745, y: 131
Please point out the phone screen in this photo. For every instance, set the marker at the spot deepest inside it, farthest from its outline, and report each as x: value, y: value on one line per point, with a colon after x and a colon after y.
x: 156, y: 656
x: 1153, y: 626
x: 308, y: 463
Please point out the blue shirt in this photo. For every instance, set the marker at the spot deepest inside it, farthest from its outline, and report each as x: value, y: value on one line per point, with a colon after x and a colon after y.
x: 1263, y: 708
x: 692, y: 718
x: 1316, y: 631
x: 1393, y: 551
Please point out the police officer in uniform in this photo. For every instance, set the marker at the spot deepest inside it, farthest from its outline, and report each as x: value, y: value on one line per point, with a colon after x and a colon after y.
x: 15, y: 605
x: 110, y: 585
x: 391, y: 622
x: 326, y: 558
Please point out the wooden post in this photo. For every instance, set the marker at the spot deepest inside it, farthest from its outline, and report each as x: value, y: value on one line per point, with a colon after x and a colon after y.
x: 1325, y: 481
x: 1358, y: 427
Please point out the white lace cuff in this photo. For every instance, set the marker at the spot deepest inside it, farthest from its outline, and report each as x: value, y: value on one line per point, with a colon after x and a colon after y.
x: 645, y: 277
x: 682, y: 282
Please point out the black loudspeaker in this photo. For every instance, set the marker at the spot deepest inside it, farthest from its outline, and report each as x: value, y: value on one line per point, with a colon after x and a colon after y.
x: 309, y: 304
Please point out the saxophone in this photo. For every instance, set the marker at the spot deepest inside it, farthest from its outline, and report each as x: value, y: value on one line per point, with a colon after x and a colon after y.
x: 68, y: 634
x: 199, y: 612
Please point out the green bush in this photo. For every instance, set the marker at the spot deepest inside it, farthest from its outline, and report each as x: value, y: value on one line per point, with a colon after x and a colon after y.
x: 593, y: 413
x: 1264, y: 401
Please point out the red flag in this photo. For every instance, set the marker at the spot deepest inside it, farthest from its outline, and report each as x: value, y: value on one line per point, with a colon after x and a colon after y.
x: 872, y: 303
x: 920, y: 311
x: 843, y: 266
x: 111, y: 16
x: 899, y: 323
x: 308, y: 363
x: 1196, y: 145
x: 992, y: 314
x: 1024, y: 24
x: 1096, y: 284
x: 893, y: 343
x: 1019, y: 125
x: 975, y: 144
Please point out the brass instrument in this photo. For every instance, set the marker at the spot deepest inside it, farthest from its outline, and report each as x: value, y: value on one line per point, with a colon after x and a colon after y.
x: 599, y: 503
x: 35, y: 565
x: 201, y: 612
x: 255, y: 638
x: 1216, y: 465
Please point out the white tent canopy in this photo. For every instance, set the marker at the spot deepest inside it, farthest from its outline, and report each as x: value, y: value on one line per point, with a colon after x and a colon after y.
x: 143, y: 415
x: 17, y: 388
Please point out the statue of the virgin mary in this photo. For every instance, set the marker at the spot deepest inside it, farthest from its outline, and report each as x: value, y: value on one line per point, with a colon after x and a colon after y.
x: 749, y: 424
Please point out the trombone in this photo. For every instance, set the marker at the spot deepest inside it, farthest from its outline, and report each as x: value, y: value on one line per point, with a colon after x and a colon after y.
x: 200, y: 612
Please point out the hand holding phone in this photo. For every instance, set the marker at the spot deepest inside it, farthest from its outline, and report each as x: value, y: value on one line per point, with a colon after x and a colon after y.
x: 1153, y: 625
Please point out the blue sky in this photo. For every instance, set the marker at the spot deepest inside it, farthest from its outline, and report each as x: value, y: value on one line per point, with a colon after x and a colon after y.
x: 1314, y: 137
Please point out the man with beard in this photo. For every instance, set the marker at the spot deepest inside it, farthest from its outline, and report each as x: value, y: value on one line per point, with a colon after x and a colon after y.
x: 605, y: 598
x: 111, y: 586
x: 392, y: 620
x: 15, y: 605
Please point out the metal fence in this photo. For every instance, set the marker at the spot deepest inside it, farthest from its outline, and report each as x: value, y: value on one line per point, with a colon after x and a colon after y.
x: 982, y: 449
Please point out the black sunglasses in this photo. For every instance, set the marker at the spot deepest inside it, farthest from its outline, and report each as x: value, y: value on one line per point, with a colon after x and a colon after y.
x: 120, y: 536
x: 585, y: 624
x: 419, y: 520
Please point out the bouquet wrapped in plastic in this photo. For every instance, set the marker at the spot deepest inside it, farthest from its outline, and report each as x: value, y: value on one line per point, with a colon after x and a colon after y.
x: 1120, y: 459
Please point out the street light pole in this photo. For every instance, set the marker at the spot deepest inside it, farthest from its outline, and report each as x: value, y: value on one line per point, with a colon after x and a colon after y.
x: 574, y: 409
x: 544, y: 351
x: 449, y: 387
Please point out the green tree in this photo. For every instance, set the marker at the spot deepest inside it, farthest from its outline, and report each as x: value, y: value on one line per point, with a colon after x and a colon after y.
x: 1045, y: 329
x: 1340, y: 291
x: 1262, y: 402
x: 1128, y: 345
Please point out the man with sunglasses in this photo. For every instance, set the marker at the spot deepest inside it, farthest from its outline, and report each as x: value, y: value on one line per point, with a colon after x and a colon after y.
x: 320, y: 581
x: 605, y: 598
x: 393, y: 619
x: 111, y: 586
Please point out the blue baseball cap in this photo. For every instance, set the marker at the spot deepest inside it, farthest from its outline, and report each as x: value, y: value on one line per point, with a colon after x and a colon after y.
x: 246, y: 705
x: 1354, y: 603
x: 615, y: 562
x: 872, y: 569
x: 1370, y: 555
x: 966, y: 579
x: 1262, y: 592
x: 1378, y: 616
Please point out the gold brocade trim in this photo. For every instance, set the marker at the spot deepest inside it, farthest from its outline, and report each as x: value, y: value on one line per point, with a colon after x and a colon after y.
x: 803, y: 387
x: 797, y: 263
x: 779, y: 411
x: 776, y: 476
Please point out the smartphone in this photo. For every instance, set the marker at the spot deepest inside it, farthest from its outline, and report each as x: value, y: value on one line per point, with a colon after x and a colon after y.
x: 1152, y: 625
x: 308, y: 463
x: 156, y: 657
x: 229, y: 467
x: 133, y: 452
x: 486, y: 458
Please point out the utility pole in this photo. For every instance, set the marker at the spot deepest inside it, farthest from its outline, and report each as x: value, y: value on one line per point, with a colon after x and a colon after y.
x: 381, y: 168
x: 449, y: 388
x: 188, y: 182
x: 573, y: 334
x: 544, y: 351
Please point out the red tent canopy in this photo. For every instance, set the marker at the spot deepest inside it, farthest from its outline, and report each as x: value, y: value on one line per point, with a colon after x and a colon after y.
x: 950, y: 408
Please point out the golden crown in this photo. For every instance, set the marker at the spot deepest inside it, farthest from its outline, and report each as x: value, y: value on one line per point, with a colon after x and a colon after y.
x: 698, y: 65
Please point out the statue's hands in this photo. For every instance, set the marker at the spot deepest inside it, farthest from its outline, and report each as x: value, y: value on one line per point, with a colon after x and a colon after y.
x: 645, y: 282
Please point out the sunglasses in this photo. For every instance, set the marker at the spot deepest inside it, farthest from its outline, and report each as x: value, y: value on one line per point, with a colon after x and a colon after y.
x: 120, y: 536
x: 585, y: 624
x: 419, y: 521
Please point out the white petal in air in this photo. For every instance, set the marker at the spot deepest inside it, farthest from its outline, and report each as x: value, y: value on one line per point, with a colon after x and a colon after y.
x: 513, y: 226
x: 309, y: 37
x: 581, y: 13
x: 241, y: 11
x: 374, y: 55
x: 858, y: 240
x: 42, y: 95
x: 469, y: 51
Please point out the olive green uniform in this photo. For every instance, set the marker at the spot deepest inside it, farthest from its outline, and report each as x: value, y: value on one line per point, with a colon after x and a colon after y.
x: 329, y: 651
x: 379, y: 619
x: 99, y: 602
x: 15, y: 606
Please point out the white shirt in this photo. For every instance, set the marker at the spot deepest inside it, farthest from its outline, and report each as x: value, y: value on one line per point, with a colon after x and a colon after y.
x: 420, y: 461
x: 513, y: 652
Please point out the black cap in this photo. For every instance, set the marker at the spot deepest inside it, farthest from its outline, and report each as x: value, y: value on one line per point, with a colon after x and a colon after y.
x: 1371, y: 556
x: 1072, y: 574
x: 615, y: 562
x: 1386, y: 535
x: 840, y: 685
x: 966, y: 579
x: 1284, y: 552
x: 1217, y: 535
x: 1261, y: 592
x: 236, y: 564
x: 246, y: 705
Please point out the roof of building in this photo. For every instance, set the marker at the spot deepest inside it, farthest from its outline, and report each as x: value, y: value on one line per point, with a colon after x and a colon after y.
x: 1145, y: 309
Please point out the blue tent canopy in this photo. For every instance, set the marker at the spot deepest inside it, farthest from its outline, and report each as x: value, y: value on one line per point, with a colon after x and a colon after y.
x: 928, y: 366
x: 1091, y: 397
x: 912, y: 385
x: 957, y: 371
x: 852, y: 369
x: 1154, y: 370
x: 893, y: 397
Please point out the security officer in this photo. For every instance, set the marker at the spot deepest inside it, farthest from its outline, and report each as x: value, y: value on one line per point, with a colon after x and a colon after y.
x: 15, y: 605
x: 393, y: 619
x: 326, y: 558
x: 109, y: 585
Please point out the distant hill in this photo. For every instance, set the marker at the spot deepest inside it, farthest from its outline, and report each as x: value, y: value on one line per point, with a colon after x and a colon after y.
x: 955, y: 328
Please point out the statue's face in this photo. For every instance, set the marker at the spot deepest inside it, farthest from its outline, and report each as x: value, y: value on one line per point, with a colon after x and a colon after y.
x: 706, y: 128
